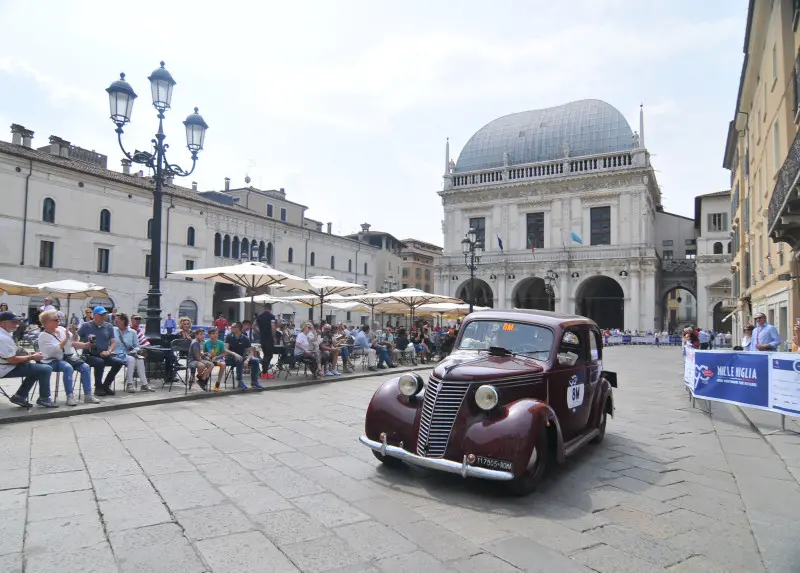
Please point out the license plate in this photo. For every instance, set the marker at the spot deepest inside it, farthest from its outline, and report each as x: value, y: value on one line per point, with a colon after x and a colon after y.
x: 493, y: 464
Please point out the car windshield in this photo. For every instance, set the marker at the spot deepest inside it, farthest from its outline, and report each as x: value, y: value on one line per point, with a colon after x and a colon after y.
x: 516, y: 337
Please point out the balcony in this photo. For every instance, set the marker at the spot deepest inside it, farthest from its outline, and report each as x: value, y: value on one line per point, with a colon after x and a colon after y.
x: 783, y: 215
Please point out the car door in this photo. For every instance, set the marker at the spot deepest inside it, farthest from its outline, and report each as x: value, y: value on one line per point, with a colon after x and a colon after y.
x: 569, y: 383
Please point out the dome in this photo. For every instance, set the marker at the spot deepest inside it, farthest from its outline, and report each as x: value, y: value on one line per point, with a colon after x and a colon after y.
x: 587, y: 127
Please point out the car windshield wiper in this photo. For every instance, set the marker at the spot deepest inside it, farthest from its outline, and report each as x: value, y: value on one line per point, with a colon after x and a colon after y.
x: 500, y: 351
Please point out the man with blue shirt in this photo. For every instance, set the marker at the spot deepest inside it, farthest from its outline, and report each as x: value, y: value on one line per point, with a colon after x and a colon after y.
x: 101, y: 353
x: 362, y: 344
x: 765, y: 336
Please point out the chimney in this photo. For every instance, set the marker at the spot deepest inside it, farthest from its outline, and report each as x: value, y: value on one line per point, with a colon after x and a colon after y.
x: 330, y: 225
x: 27, y: 136
x: 365, y: 227
x: 64, y: 148
x: 140, y: 173
x: 227, y: 184
x: 319, y: 227
x: 55, y: 145
x: 194, y: 185
x: 283, y: 192
x: 126, y: 166
x: 16, y: 133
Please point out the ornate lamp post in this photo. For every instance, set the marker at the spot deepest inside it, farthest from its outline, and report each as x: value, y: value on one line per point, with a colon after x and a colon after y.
x: 473, y: 249
x: 121, y: 96
x: 389, y: 285
x: 550, y: 278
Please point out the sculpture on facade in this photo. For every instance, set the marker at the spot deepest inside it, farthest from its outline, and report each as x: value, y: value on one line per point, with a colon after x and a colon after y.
x: 452, y: 166
x: 636, y: 140
x: 565, y: 150
x: 505, y: 159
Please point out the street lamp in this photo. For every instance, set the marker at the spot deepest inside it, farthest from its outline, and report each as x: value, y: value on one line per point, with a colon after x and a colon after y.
x: 121, y: 97
x: 254, y: 250
x: 473, y: 249
x: 549, y: 279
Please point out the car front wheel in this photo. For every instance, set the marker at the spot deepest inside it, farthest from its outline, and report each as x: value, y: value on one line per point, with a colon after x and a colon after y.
x: 533, y: 476
x: 387, y: 460
x: 602, y: 427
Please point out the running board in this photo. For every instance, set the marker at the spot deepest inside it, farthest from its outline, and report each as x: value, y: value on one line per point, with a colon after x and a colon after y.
x: 577, y: 443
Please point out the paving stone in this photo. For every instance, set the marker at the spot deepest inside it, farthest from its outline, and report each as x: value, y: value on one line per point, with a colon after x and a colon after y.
x: 711, y: 509
x: 228, y: 473
x: 526, y: 554
x: 186, y: 490
x: 101, y: 468
x: 163, y: 466
x: 647, y: 524
x: 56, y: 464
x: 653, y: 477
x: 483, y: 563
x: 287, y: 482
x: 329, y: 510
x: 387, y: 510
x: 436, y: 540
x: 61, y: 482
x: 373, y: 540
x: 730, y: 549
x: 255, y: 498
x: 11, y: 563
x: 12, y: 531
x: 546, y: 532
x: 254, y: 460
x: 702, y: 564
x: 13, y: 499
x: 638, y: 544
x: 94, y: 559
x: 64, y: 533
x: 125, y: 486
x: 290, y: 526
x: 61, y: 505
x: 659, y: 493
x: 414, y: 561
x: 244, y: 553
x: 297, y: 460
x: 606, y: 559
x: 155, y: 549
x: 321, y: 554
x: 12, y: 479
x: 133, y: 512
x: 206, y: 522
x: 351, y: 467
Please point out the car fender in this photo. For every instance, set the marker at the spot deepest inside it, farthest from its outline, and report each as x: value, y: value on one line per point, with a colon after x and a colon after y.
x: 510, y: 432
x: 395, y: 415
x: 604, y: 392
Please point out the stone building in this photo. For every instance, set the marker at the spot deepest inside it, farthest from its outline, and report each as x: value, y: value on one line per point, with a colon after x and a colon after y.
x: 417, y: 269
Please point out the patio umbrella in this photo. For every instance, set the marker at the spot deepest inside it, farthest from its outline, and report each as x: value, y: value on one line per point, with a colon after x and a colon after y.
x: 323, y: 287
x: 413, y: 298
x: 449, y: 309
x: 250, y: 275
x: 15, y: 289
x: 73, y: 289
x: 372, y: 300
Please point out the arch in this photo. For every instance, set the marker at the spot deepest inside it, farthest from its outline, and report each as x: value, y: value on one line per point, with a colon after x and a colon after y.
x: 49, y: 210
x: 312, y: 259
x: 718, y: 313
x: 262, y: 250
x: 349, y: 265
x: 729, y: 246
x: 602, y: 299
x: 190, y: 237
x: 290, y: 256
x: 679, y: 308
x: 226, y: 246
x: 217, y: 245
x: 483, y: 293
x: 235, y: 247
x: 105, y: 221
x: 149, y: 228
x: 333, y: 263
x: 269, y: 253
x: 532, y: 292
x: 188, y: 308
x: 141, y: 308
x: 245, y: 248
x: 106, y: 303
x: 717, y: 248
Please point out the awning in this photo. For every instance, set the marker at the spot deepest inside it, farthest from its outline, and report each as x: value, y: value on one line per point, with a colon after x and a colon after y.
x: 735, y: 310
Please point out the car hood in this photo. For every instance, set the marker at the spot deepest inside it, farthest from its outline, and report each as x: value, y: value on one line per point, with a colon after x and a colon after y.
x: 475, y: 367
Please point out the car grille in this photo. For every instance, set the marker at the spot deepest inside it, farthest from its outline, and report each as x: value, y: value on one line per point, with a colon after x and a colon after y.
x: 439, y: 410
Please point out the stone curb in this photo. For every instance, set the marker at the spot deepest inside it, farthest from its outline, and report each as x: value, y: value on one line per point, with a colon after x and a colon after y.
x: 41, y: 414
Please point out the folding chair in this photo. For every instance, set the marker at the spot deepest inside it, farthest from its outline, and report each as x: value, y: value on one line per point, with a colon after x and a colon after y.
x: 180, y: 348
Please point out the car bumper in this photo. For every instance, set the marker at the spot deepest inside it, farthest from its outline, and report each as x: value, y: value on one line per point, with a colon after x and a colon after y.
x: 464, y: 469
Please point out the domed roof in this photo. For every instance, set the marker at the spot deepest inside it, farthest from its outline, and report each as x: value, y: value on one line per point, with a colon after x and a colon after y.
x: 588, y: 127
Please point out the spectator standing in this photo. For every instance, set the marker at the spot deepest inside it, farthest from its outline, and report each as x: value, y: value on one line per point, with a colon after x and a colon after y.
x: 266, y: 328
x: 765, y: 336
x: 221, y: 323
x: 169, y: 325
x: 704, y: 338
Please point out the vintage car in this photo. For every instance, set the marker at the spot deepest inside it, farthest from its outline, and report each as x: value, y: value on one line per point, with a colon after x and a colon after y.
x: 520, y: 388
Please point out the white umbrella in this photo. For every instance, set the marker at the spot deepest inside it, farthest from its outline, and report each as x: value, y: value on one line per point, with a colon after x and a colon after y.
x: 371, y: 300
x: 15, y: 289
x: 324, y: 287
x: 413, y: 298
x: 449, y: 309
x: 73, y: 289
x: 250, y: 275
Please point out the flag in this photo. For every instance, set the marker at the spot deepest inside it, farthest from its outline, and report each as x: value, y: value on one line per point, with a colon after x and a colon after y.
x: 576, y: 238
x: 500, y: 243
x: 532, y: 244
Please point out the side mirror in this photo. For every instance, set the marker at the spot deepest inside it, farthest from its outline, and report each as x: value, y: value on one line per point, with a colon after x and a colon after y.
x: 567, y: 358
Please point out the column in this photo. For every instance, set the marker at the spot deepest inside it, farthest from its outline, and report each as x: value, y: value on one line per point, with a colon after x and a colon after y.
x: 563, y: 293
x: 649, y: 311
x: 501, y: 291
x: 633, y: 313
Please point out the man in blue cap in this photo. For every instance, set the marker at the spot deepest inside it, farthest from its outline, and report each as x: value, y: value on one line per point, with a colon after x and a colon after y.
x: 14, y: 364
x: 101, y: 354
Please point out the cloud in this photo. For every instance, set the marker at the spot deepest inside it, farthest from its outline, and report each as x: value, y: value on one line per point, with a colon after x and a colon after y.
x: 59, y: 93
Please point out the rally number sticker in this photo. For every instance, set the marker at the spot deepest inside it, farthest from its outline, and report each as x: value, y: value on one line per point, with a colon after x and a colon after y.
x: 574, y: 393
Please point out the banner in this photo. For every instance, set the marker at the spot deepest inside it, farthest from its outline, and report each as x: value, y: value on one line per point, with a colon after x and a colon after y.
x: 688, y: 366
x: 785, y: 383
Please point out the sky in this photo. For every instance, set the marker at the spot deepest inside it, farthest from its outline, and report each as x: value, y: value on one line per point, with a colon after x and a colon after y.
x: 348, y: 104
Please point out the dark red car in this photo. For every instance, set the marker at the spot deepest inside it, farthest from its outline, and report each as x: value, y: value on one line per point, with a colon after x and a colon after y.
x: 520, y: 388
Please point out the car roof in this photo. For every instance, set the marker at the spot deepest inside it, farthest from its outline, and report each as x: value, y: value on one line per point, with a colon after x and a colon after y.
x: 543, y: 317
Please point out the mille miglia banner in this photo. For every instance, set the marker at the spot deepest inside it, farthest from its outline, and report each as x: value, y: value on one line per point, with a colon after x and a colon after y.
x: 736, y: 377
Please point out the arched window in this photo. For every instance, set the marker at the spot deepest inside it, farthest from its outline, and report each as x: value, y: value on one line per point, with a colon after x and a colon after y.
x: 245, y: 248
x: 349, y: 265
x: 226, y: 246
x: 49, y: 211
x: 269, y: 253
x: 365, y: 269
x: 291, y: 255
x: 105, y: 221
x: 718, y: 248
x: 149, y: 228
x: 262, y: 250
x: 217, y: 245
x: 333, y: 263
x: 188, y: 308
x: 190, y: 236
x: 142, y: 307
x: 312, y: 259
x: 235, y: 248
x: 729, y: 247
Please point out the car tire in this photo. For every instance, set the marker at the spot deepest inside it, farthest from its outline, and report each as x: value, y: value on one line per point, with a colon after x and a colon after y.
x: 602, y: 427
x: 531, y: 479
x: 387, y: 460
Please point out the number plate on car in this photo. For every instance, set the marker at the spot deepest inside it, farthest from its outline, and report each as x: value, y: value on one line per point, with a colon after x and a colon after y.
x: 492, y: 464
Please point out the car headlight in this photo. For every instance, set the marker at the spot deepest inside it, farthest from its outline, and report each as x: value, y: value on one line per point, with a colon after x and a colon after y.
x: 486, y: 397
x: 410, y: 384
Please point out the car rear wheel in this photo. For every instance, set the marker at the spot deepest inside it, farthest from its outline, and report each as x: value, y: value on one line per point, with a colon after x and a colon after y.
x: 534, y: 475
x: 387, y: 460
x: 602, y: 427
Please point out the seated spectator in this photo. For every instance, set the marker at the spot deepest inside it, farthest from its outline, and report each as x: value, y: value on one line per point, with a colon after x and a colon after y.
x: 57, y: 345
x: 329, y: 351
x: 127, y: 349
x: 214, y: 348
x: 198, y: 361
x: 238, y: 349
x: 15, y: 363
x: 403, y: 345
x: 101, y: 353
x: 420, y: 347
x: 303, y: 348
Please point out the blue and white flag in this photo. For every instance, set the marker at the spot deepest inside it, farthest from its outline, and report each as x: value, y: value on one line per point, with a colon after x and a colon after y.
x: 500, y: 243
x: 576, y: 238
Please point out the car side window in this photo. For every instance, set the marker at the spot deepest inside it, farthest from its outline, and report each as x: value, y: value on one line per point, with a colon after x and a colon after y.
x: 594, y: 347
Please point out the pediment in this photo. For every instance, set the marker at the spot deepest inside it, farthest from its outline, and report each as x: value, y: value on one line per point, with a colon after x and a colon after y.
x: 724, y: 284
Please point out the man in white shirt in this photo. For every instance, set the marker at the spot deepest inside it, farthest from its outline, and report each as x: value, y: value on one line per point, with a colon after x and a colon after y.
x: 48, y: 305
x: 24, y: 366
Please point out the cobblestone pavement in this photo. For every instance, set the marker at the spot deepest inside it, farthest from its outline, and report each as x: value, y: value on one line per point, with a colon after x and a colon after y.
x: 277, y: 481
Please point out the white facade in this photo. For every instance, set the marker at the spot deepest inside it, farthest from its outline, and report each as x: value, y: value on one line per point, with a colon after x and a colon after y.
x: 714, y: 298
x: 528, y: 197
x: 80, y: 191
